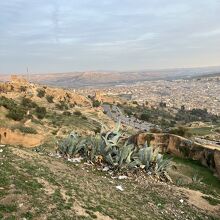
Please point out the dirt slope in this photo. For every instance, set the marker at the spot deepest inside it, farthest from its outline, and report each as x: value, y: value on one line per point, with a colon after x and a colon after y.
x: 34, y: 186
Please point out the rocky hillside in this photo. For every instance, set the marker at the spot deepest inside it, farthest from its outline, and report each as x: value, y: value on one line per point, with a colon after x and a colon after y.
x: 60, y: 159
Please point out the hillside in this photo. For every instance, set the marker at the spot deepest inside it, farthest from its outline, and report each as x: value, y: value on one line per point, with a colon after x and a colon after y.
x: 49, y: 188
x: 62, y: 157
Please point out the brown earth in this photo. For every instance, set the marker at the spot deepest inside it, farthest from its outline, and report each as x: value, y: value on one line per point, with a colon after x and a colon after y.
x: 10, y: 137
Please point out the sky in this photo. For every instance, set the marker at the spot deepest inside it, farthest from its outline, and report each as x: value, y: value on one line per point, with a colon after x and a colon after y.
x: 123, y: 35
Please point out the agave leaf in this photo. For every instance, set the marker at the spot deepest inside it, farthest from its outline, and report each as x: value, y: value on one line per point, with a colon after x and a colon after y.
x: 109, y: 159
x: 134, y: 163
x: 117, y: 127
x: 155, y: 154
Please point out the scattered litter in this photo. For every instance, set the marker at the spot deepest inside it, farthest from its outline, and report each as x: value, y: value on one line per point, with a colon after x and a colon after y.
x: 181, y: 200
x: 2, y: 145
x: 122, y: 177
x: 142, y: 166
x: 20, y: 205
x: 75, y: 160
x: 120, y: 188
x: 105, y: 169
x: 55, y: 155
x: 1, y: 150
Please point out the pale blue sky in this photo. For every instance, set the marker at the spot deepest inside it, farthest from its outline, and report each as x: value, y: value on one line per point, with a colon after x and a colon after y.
x: 68, y: 35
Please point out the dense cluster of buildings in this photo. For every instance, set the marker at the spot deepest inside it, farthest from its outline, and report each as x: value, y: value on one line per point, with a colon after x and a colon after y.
x: 203, y: 93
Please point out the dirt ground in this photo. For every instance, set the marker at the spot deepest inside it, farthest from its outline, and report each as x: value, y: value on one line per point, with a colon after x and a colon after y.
x: 36, y: 186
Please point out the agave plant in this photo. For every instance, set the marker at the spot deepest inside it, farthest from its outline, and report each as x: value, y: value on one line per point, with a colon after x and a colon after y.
x: 150, y: 159
x: 71, y: 145
x: 113, y: 152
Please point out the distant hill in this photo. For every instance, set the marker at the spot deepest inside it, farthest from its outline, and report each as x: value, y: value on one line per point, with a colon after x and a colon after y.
x: 96, y: 78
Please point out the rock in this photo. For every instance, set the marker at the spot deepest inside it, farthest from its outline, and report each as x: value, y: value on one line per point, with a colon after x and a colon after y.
x: 75, y: 160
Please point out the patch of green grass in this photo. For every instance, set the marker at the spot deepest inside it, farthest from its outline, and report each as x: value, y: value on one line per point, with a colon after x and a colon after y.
x: 28, y: 215
x: 210, y: 184
x: 200, y: 131
x: 211, y: 200
x: 8, y: 208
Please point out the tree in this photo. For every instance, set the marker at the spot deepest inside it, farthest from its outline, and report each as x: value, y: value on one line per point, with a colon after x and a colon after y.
x: 40, y: 112
x: 26, y: 102
x: 41, y: 93
x: 145, y: 116
x: 96, y: 103
x: 49, y: 98
x: 16, y: 114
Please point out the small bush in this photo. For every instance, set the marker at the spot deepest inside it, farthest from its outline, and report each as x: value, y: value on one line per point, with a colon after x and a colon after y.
x: 78, y: 113
x: 135, y: 102
x: 40, y: 112
x: 16, y: 114
x: 62, y: 106
x: 66, y: 113
x: 23, y: 88
x: 26, y: 102
x: 41, y: 93
x: 49, y: 98
x: 25, y: 129
x: 7, y: 103
x: 145, y: 116
x: 96, y: 103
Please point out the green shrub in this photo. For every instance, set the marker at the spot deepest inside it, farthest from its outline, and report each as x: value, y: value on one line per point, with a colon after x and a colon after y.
x: 78, y: 113
x: 128, y: 112
x: 49, y: 98
x: 66, y: 113
x: 16, y: 114
x: 135, y: 102
x: 96, y: 103
x: 25, y: 129
x: 62, y: 105
x: 40, y: 112
x: 7, y: 103
x: 145, y: 116
x: 41, y: 93
x: 26, y: 102
x: 23, y: 88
